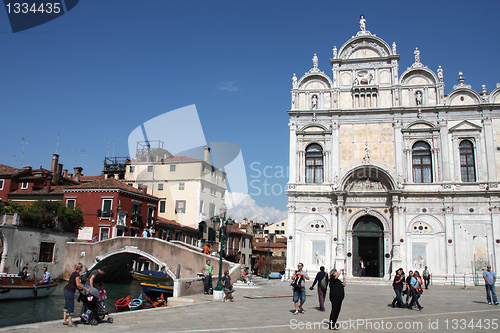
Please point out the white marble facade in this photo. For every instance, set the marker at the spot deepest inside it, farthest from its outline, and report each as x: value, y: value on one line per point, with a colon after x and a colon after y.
x: 388, y: 168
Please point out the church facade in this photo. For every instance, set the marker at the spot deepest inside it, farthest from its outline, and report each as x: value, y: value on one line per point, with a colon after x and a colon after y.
x: 386, y: 168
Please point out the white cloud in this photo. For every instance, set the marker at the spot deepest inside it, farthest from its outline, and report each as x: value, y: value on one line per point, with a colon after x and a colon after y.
x: 227, y: 86
x: 246, y: 207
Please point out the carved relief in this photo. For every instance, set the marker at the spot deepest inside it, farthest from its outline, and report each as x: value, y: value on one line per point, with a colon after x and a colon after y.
x: 363, y: 77
x: 367, y: 185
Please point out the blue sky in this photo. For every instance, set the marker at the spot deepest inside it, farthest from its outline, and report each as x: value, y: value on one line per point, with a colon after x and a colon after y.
x: 96, y: 73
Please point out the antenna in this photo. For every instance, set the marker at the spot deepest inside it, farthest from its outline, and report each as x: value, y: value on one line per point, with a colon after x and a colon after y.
x: 24, y: 143
x: 13, y: 158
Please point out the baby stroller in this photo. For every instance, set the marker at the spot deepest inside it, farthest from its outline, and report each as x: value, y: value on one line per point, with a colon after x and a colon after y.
x: 93, y: 311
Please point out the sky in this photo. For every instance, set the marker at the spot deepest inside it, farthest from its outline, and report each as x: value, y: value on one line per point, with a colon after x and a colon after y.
x: 80, y: 84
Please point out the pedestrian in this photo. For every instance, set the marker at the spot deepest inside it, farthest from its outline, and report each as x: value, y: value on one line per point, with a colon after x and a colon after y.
x: 416, y: 291
x: 299, y: 290
x: 69, y: 294
x: 102, y: 293
x: 427, y: 277
x: 207, y: 271
x: 408, y: 288
x: 397, y: 284
x: 322, y: 280
x: 89, y: 277
x: 490, y: 278
x: 336, y: 295
x: 94, y: 239
x: 145, y: 233
x: 151, y: 231
x: 228, y: 287
x: 46, y: 279
x: 206, y: 249
x: 362, y: 268
x: 23, y: 273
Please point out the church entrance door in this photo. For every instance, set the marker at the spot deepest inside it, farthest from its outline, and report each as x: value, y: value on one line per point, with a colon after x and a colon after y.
x: 368, y: 245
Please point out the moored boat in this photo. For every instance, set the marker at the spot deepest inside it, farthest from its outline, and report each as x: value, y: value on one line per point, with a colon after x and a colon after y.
x: 147, y: 304
x: 160, y: 302
x: 153, y: 290
x: 122, y: 304
x: 13, y: 287
x: 147, y: 275
x: 275, y: 275
x: 136, y: 303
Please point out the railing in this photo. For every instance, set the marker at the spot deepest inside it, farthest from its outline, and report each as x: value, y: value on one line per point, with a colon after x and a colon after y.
x: 104, y: 213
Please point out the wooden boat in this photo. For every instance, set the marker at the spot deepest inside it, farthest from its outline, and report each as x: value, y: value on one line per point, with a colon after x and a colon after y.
x: 153, y: 290
x: 160, y: 302
x: 13, y: 287
x: 136, y: 303
x: 275, y: 276
x: 147, y: 275
x: 147, y: 304
x: 122, y: 304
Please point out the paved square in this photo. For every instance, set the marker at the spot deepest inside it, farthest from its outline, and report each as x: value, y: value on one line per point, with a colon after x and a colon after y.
x: 446, y: 308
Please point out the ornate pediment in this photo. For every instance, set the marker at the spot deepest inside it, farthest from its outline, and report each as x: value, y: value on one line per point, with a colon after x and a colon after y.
x: 465, y: 126
x: 367, y: 185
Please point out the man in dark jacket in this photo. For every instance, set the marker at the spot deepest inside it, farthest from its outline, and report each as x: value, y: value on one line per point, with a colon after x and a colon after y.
x: 322, y: 286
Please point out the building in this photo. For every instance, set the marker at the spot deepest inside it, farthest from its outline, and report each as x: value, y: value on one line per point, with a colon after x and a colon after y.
x: 238, y: 245
x: 278, y: 228
x: 190, y: 190
x: 388, y: 168
x: 112, y: 208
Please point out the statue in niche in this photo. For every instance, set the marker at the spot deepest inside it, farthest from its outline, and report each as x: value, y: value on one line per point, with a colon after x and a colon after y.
x: 314, y: 102
x: 294, y: 81
x: 440, y: 74
x: 315, y: 61
x: 362, y: 23
x: 417, y: 55
x: 393, y: 47
x: 367, y: 152
x: 418, y: 97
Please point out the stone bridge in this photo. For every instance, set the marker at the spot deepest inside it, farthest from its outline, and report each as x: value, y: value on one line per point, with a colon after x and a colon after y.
x: 179, y: 262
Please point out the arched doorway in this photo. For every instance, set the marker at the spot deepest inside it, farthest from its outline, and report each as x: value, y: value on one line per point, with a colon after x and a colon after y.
x: 368, y: 244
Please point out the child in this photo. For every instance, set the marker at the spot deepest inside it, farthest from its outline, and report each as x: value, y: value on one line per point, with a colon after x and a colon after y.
x: 102, y: 293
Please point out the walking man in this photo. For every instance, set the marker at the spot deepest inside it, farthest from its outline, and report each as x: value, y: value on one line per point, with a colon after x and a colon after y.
x: 490, y: 278
x: 299, y: 292
x: 362, y: 267
x: 322, y: 280
x: 207, y: 271
x: 427, y: 277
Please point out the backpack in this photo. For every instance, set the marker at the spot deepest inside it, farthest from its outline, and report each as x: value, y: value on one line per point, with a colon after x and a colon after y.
x: 296, y: 282
x: 322, y: 283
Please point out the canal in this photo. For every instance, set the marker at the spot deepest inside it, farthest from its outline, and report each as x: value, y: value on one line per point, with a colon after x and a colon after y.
x: 17, y: 312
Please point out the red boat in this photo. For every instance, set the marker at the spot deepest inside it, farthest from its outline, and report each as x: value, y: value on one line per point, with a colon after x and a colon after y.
x: 122, y: 304
x: 160, y: 302
x: 147, y: 304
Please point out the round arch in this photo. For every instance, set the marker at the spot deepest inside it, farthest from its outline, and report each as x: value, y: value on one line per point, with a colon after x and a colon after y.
x: 122, y: 256
x: 370, y: 212
x: 364, y: 171
x: 432, y: 221
x: 306, y: 220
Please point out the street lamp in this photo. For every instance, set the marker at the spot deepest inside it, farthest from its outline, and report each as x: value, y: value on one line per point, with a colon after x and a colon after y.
x: 223, y: 223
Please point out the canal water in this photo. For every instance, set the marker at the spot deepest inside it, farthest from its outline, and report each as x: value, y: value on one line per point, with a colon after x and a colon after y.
x: 17, y: 312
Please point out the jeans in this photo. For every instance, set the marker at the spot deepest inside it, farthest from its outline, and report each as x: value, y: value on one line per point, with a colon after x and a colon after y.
x: 491, y: 288
x: 414, y: 298
x: 299, y: 294
x: 207, y: 283
x: 69, y: 302
x: 398, y: 299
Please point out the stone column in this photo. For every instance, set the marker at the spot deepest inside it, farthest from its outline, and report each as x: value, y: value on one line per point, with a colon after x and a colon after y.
x: 293, y: 153
x: 450, y: 235
x: 340, y: 253
x: 445, y: 157
x: 292, y: 243
x: 495, y: 228
x: 489, y: 144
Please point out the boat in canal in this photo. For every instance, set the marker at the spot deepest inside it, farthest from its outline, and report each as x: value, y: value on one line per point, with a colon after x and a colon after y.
x: 122, y: 304
x: 147, y: 275
x: 136, y: 303
x: 13, y: 287
x: 154, y: 290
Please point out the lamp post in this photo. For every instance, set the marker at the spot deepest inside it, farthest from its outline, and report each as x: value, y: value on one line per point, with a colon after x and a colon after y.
x: 223, y: 223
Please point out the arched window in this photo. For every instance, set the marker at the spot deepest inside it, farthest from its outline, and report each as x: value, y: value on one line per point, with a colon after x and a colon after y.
x: 422, y: 163
x: 467, y: 166
x: 314, y: 163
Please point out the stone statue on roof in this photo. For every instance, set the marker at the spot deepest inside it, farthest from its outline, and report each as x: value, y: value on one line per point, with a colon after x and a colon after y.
x: 294, y: 81
x: 440, y: 74
x: 417, y: 55
x: 334, y: 52
x: 315, y: 61
x: 393, y: 47
x: 362, y: 23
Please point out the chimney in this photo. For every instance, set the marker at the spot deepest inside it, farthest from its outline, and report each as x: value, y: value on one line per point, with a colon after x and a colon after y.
x: 65, y: 173
x: 206, y: 156
x: 59, y: 172
x: 78, y: 173
x: 55, y: 161
x: 144, y: 189
x: 27, y: 167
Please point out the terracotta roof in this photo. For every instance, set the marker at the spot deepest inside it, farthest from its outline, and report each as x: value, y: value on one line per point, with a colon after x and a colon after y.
x: 271, y: 245
x: 54, y: 190
x: 175, y: 223
x: 6, y: 170
x: 86, y: 179
x: 109, y: 184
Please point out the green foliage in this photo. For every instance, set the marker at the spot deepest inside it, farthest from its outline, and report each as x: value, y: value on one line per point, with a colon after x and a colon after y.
x: 46, y: 214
